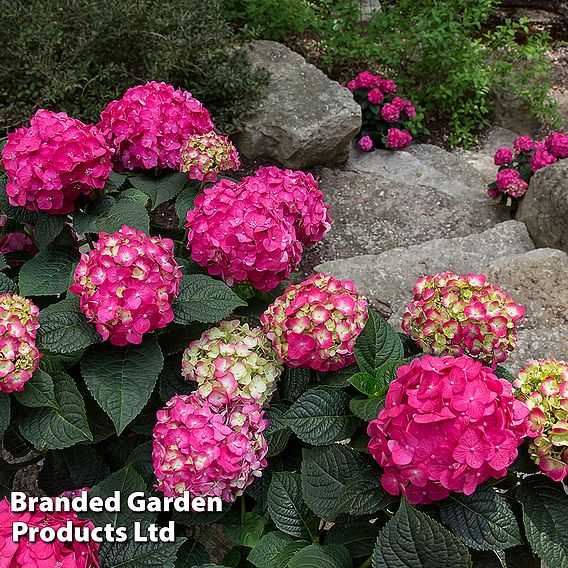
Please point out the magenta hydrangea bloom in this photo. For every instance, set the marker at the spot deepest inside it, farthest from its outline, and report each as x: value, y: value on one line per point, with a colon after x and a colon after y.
x: 375, y: 96
x: 53, y: 161
x: 390, y: 112
x: 242, y: 236
x: 409, y: 109
x: 463, y: 315
x: 208, y: 449
x: 315, y: 323
x: 543, y: 387
x: 398, y: 139
x: 231, y: 360
x: 523, y: 144
x: 127, y: 284
x: 365, y: 80
x: 503, y: 157
x: 557, y: 145
x: 203, y: 156
x: 366, y: 143
x: 18, y: 241
x: 19, y: 356
x: 38, y: 554
x: 449, y: 424
x: 510, y: 183
x: 388, y: 86
x: 149, y: 124
x: 540, y: 159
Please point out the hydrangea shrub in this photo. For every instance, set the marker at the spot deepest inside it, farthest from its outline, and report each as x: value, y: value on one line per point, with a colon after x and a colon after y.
x: 155, y: 339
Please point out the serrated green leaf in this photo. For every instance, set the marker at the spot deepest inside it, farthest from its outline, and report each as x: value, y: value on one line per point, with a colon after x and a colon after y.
x: 264, y: 554
x: 48, y: 273
x: 320, y: 416
x: 287, y: 508
x: 317, y: 556
x: 39, y: 391
x: 276, y: 433
x: 171, y: 381
x: 47, y: 228
x: 288, y: 552
x: 121, y: 379
x: 159, y: 189
x: 249, y: 532
x: 4, y: 412
x: 204, y: 299
x: 294, y: 382
x: 377, y: 384
x: 411, y: 538
x: 59, y: 426
x: 358, y: 537
x: 191, y: 553
x: 545, y: 516
x: 367, y: 409
x: 377, y: 344
x: 184, y: 202
x: 64, y: 329
x: 116, y: 181
x: 7, y: 285
x: 3, y: 263
x: 364, y: 495
x: 482, y: 520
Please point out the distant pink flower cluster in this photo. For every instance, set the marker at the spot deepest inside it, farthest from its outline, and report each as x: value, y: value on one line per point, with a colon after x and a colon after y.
x: 53, y: 161
x: 207, y: 448
x: 127, y: 284
x: 253, y: 231
x: 39, y: 554
x: 384, y: 114
x: 449, y: 424
x: 517, y: 165
x: 19, y: 356
x: 203, y: 156
x: 315, y: 323
x: 463, y: 315
x: 543, y: 387
x: 148, y: 126
x: 18, y: 241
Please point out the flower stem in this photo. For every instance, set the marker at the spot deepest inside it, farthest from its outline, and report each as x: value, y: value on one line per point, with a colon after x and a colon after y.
x: 367, y: 562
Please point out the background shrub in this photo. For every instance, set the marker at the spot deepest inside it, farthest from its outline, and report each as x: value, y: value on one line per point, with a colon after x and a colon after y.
x: 69, y: 55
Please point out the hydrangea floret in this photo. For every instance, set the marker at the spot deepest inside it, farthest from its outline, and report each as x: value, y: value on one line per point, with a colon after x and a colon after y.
x: 543, y: 387
x: 386, y: 118
x: 315, y: 323
x: 127, y: 284
x: 53, y: 161
x: 149, y: 125
x: 203, y: 156
x: 232, y: 360
x: 449, y: 424
x: 207, y: 448
x: 19, y: 356
x: 26, y: 553
x: 456, y: 315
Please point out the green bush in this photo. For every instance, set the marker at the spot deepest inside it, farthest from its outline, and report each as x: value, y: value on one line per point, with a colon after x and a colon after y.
x: 73, y: 55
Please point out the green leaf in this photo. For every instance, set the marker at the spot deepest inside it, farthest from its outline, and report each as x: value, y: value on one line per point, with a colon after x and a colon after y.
x: 3, y: 263
x: 4, y: 412
x: 204, y: 299
x: 377, y: 344
x: 121, y: 379
x: 64, y: 329
x: 367, y: 409
x: 61, y: 425
x: 39, y: 391
x: 131, y: 554
x: 411, y: 539
x: 377, y: 384
x: 184, y: 202
x: 503, y: 373
x: 70, y: 469
x: 294, y: 382
x: 358, y: 537
x: 191, y: 553
x: 171, y: 381
x: 249, y: 532
x: 48, y: 273
x: 159, y: 189
x: 483, y: 520
x: 116, y: 181
x: 287, y: 508
x: 47, y: 228
x: 364, y: 494
x: 288, y: 552
x: 320, y: 416
x: 7, y: 285
x: 318, y: 556
x: 276, y: 433
x: 264, y: 554
x: 326, y: 473
x: 545, y: 516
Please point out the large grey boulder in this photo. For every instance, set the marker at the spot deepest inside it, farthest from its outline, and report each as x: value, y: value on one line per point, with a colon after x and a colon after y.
x: 544, y: 209
x: 304, y: 118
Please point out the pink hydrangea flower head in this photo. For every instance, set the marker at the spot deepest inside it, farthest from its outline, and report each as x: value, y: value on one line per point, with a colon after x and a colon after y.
x: 390, y: 112
x: 523, y: 144
x: 365, y: 80
x: 148, y: 126
x: 18, y: 241
x: 53, y: 161
x: 203, y: 156
x: 503, y: 157
x: 315, y: 324
x: 19, y: 356
x: 298, y: 194
x: 463, y: 315
x: 209, y: 450
x: 388, y: 86
x: 398, y: 139
x: 409, y: 109
x: 375, y: 96
x: 366, y: 143
x: 557, y: 145
x: 510, y: 183
x: 449, y: 424
x: 231, y: 360
x: 127, y: 284
x: 242, y: 236
x: 543, y: 387
x: 540, y: 159
x: 39, y: 554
